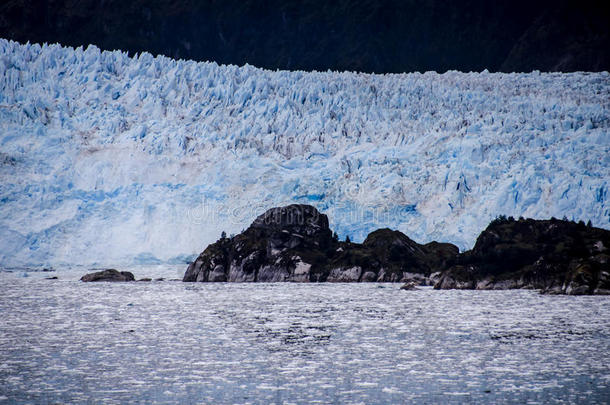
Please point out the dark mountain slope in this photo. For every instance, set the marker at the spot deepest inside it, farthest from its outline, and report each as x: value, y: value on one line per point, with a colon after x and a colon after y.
x: 358, y: 35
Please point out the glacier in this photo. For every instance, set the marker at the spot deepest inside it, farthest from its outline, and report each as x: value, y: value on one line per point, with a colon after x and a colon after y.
x: 110, y: 159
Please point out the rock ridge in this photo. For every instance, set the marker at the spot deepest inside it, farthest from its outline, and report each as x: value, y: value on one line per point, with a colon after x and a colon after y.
x: 295, y: 243
x: 554, y: 256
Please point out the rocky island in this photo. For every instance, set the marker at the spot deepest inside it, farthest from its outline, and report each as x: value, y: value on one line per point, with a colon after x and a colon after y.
x: 555, y: 256
x: 108, y: 275
x: 295, y: 243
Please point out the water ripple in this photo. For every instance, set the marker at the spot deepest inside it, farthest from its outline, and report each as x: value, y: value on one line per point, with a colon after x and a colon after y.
x: 169, y: 342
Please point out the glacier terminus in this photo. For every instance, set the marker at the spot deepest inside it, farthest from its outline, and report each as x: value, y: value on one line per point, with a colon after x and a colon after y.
x: 107, y: 158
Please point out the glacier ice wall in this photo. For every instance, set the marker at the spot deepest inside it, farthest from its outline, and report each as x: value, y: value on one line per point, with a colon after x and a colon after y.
x: 109, y: 159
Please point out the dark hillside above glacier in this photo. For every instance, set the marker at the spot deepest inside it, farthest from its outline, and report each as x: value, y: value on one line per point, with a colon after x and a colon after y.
x: 357, y: 35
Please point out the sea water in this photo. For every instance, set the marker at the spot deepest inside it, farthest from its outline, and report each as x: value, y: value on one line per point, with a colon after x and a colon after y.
x: 173, y: 342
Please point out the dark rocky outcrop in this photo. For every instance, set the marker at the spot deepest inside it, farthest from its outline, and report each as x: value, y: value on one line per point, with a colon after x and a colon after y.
x: 557, y: 257
x: 387, y: 255
x: 108, y: 275
x: 295, y: 243
x: 280, y: 245
x: 409, y: 286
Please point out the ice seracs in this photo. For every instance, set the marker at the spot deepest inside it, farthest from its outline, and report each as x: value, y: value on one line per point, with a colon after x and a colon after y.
x: 106, y: 158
